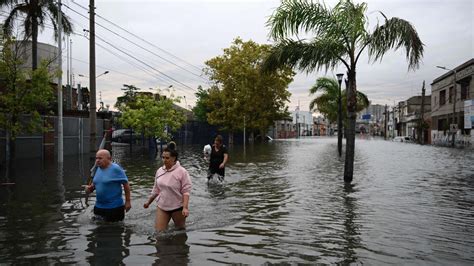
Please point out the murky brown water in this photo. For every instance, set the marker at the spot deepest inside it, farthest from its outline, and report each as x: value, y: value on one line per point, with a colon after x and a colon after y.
x: 281, y: 202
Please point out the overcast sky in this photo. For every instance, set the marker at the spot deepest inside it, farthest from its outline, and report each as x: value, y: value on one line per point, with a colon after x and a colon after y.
x: 196, y: 31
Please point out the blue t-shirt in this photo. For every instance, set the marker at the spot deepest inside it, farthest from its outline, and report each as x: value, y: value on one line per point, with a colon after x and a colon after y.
x: 108, y: 185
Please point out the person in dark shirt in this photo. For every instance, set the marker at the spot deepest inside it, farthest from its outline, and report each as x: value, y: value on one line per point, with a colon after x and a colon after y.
x: 218, y: 159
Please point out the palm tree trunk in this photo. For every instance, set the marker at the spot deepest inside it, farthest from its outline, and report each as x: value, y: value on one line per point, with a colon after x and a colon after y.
x: 350, y: 140
x: 34, y: 37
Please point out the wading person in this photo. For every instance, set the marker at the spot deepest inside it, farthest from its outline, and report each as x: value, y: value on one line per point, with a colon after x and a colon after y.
x: 218, y: 159
x: 171, y: 190
x: 108, y: 182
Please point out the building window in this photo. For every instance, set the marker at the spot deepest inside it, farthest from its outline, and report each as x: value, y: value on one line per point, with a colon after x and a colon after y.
x: 465, y: 89
x: 442, y: 97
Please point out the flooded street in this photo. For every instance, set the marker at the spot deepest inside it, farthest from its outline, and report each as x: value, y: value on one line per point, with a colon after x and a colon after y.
x: 281, y: 202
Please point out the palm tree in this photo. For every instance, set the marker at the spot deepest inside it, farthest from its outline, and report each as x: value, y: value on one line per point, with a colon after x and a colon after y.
x: 341, y: 36
x: 36, y: 13
x: 326, y: 103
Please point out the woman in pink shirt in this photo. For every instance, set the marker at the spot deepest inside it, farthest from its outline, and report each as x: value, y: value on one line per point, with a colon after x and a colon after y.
x: 172, y: 188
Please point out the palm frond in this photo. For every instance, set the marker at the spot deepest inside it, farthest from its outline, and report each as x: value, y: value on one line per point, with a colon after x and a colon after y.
x: 319, y: 54
x: 293, y: 16
x: 396, y: 33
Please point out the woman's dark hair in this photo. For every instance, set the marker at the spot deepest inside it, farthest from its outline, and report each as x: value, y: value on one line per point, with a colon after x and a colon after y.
x: 172, y: 152
x: 171, y: 145
x: 219, y: 139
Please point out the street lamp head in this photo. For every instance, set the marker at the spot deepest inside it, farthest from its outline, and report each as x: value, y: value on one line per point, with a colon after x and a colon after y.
x: 105, y: 73
x: 339, y: 77
x: 80, y: 75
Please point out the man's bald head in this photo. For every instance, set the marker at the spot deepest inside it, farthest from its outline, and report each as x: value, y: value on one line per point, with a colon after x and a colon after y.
x: 103, y: 158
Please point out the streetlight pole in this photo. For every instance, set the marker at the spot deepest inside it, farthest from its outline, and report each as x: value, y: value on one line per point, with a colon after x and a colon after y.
x: 339, y: 115
x: 454, y: 102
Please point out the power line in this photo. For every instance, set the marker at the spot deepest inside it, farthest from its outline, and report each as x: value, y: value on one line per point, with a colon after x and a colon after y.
x: 140, y: 38
x: 135, y: 58
x: 171, y: 78
x: 136, y: 44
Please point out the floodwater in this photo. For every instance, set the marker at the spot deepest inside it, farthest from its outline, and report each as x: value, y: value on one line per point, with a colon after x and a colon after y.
x: 281, y: 202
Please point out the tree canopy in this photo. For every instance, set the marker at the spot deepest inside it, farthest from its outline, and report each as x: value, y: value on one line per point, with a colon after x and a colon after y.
x: 22, y: 93
x: 36, y: 13
x: 154, y: 117
x: 326, y: 102
x: 241, y: 91
x: 201, y: 108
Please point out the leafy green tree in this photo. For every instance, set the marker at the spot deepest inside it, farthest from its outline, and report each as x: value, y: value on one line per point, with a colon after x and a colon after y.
x: 36, y: 13
x: 22, y: 94
x: 243, y: 92
x: 129, y: 97
x: 341, y: 36
x: 201, y: 108
x: 154, y: 118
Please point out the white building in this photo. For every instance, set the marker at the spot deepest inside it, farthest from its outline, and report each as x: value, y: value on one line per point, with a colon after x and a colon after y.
x: 303, y: 121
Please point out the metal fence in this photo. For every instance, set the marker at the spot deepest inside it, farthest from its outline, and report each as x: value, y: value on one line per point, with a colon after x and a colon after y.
x: 76, y: 132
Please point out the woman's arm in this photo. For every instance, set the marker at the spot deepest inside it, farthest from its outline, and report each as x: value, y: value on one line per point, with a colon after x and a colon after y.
x: 226, y: 157
x: 150, y: 200
x: 154, y: 193
x: 185, y: 211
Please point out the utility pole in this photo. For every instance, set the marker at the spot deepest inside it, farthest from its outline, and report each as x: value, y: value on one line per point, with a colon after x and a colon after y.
x: 60, y: 90
x: 386, y: 123
x: 92, y: 108
x: 67, y: 61
x: 422, y: 115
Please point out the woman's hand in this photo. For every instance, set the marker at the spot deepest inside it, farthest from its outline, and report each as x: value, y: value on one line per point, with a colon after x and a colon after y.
x: 146, y: 205
x: 185, y: 212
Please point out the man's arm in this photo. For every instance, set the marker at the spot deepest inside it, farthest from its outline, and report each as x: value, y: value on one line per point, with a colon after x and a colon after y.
x: 128, y: 202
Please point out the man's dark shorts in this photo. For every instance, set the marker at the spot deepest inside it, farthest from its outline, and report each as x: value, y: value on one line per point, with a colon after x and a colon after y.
x: 110, y: 215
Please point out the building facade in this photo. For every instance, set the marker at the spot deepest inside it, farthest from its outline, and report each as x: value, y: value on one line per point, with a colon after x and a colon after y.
x: 407, y: 121
x: 304, y: 122
x: 450, y: 92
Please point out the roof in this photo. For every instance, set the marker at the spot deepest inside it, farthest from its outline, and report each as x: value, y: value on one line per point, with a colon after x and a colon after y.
x: 458, y: 68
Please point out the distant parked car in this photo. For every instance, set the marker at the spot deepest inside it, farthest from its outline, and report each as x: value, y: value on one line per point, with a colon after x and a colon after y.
x: 403, y: 139
x: 124, y: 135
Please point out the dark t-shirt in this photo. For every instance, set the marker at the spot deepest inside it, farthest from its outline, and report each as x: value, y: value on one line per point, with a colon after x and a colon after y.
x: 217, y: 157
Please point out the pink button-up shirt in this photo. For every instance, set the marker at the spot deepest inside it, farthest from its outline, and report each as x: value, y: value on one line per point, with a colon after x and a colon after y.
x: 170, y: 186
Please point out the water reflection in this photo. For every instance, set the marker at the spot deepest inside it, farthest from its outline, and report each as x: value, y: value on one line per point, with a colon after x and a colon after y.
x: 281, y: 203
x: 351, y: 232
x: 172, y: 249
x: 108, y: 244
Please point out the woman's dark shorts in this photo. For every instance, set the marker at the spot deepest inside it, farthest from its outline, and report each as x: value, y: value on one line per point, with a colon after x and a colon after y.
x: 175, y: 210
x: 110, y: 215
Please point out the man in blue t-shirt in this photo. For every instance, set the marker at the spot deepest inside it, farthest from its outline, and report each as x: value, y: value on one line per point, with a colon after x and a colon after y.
x: 108, y: 181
